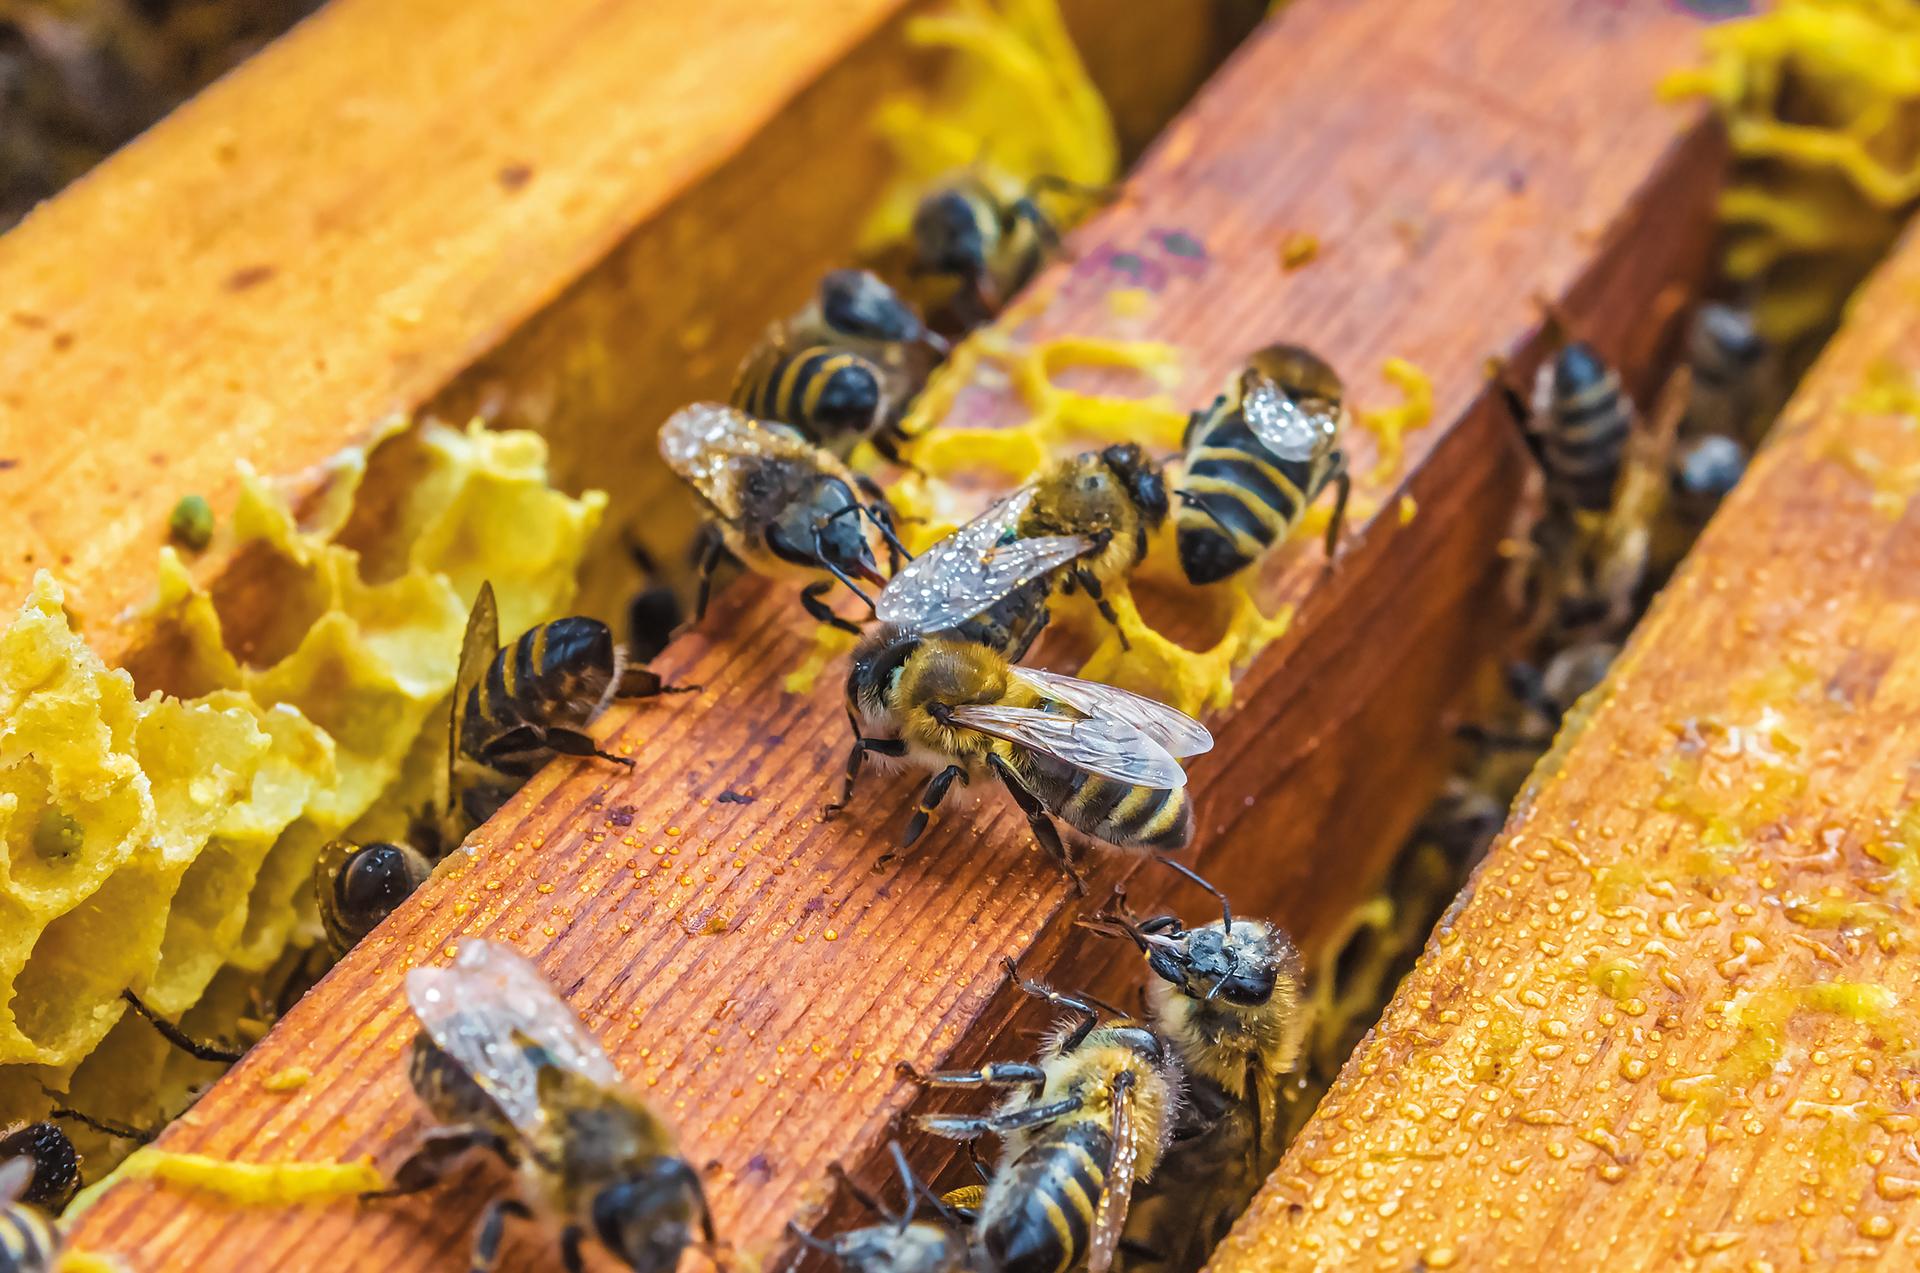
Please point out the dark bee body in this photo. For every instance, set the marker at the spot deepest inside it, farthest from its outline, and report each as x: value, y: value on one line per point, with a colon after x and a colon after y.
x: 1159, y: 820
x: 556, y: 675
x: 357, y: 886
x: 56, y: 1165
x: 834, y: 397
x: 989, y: 246
x: 1705, y: 471
x: 1583, y: 417
x: 899, y: 1243
x: 1011, y: 625
x: 452, y: 1095
x: 29, y: 1242
x: 1733, y: 376
x: 1037, y: 1215
x: 1238, y: 496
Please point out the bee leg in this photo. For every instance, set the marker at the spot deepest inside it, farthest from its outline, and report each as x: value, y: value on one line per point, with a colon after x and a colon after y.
x: 895, y: 747
x: 1343, y: 483
x: 435, y: 1155
x: 810, y: 601
x: 1517, y: 409
x: 105, y: 1126
x: 971, y: 1126
x: 1226, y: 909
x: 996, y: 1074
x: 710, y: 553
x: 198, y: 1049
x: 1037, y: 819
x: 571, y: 742
x: 930, y: 798
x: 1081, y: 1007
x: 570, y: 1258
x: 493, y: 1226
x: 639, y: 682
x: 887, y: 442
x: 880, y: 513
x: 1100, y: 603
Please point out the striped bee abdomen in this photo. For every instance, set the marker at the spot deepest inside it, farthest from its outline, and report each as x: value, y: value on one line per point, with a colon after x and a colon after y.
x: 1154, y: 818
x: 1237, y: 499
x: 450, y: 1094
x: 555, y: 674
x: 1041, y: 1206
x: 1588, y: 417
x: 831, y: 396
x: 28, y: 1241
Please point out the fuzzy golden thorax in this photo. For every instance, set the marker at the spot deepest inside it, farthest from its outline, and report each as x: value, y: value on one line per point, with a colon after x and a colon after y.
x: 946, y: 674
x: 1084, y: 496
x: 1217, y: 1037
x: 1092, y: 1070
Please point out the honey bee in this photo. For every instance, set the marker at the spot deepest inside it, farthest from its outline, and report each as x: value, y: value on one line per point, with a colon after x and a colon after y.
x: 1705, y: 470
x: 1257, y: 458
x: 899, y: 1243
x: 355, y: 886
x: 1735, y: 375
x: 53, y: 1174
x: 988, y: 246
x: 1229, y: 1000
x: 1091, y: 1124
x: 504, y: 1066
x: 1541, y: 697
x: 1576, y: 427
x: 781, y: 505
x: 29, y: 1239
x: 1100, y: 759
x: 515, y: 708
x: 1085, y: 521
x: 844, y: 369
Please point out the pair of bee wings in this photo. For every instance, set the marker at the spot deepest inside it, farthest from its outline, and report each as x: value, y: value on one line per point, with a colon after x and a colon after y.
x: 1124, y: 736
x: 1110, y: 1218
x: 702, y: 442
x: 501, y: 1022
x: 972, y: 569
x: 477, y: 648
x: 1281, y: 424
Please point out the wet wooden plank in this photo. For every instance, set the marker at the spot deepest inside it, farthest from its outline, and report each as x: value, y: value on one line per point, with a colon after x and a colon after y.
x: 1672, y: 1027
x: 750, y: 969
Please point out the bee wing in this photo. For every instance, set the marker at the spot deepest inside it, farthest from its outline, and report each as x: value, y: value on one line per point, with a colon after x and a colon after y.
x: 1098, y: 744
x: 477, y: 648
x: 15, y: 1175
x: 971, y: 569
x: 1174, y: 730
x: 701, y: 442
x: 1283, y: 426
x: 485, y: 1011
x: 1111, y: 1217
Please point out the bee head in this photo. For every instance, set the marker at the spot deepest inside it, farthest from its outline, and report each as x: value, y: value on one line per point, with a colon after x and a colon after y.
x: 55, y: 1164
x: 1727, y: 331
x: 947, y: 236
x: 647, y: 1219
x: 1577, y: 367
x: 856, y: 303
x: 1145, y: 485
x: 823, y: 529
x: 1708, y: 467
x: 581, y: 650
x: 876, y: 666
x: 374, y: 880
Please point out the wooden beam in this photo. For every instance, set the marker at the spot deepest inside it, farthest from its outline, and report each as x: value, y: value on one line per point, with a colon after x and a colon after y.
x: 752, y: 971
x: 1669, y: 1027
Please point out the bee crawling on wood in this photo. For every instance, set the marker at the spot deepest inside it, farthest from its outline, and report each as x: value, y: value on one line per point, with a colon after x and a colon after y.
x: 900, y: 1243
x: 1734, y: 375
x: 844, y: 369
x: 504, y: 1066
x: 1085, y: 523
x: 355, y: 886
x: 1087, y: 1122
x: 515, y: 708
x: 989, y: 246
x: 1257, y: 458
x: 29, y: 1239
x: 783, y: 506
x: 1100, y: 759
x: 1229, y: 1000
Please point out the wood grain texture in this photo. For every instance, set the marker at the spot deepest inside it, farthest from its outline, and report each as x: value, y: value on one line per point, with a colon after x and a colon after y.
x: 1673, y: 1024
x: 748, y: 967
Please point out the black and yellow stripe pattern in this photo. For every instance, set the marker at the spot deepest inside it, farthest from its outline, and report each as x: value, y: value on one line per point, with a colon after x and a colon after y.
x: 29, y: 1242
x: 1588, y: 419
x: 1237, y: 498
x: 832, y: 396
x: 554, y: 675
x: 1055, y: 1189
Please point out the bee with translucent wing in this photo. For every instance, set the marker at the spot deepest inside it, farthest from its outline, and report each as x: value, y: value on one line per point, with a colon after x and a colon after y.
x: 1084, y: 523
x: 504, y: 1065
x: 1102, y: 760
x: 784, y: 507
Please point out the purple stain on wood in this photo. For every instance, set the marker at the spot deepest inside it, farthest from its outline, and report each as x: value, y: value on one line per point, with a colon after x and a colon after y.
x: 731, y: 796
x: 622, y: 817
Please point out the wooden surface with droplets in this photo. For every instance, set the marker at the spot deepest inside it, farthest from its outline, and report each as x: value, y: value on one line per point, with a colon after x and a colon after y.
x: 1673, y: 1025
x: 749, y: 969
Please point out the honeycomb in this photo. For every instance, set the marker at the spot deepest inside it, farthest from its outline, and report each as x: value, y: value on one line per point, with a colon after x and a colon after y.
x: 164, y: 841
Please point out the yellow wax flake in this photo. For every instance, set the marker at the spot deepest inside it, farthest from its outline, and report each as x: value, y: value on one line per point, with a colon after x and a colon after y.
x: 1190, y: 680
x: 1129, y: 302
x: 253, y: 1184
x: 1390, y: 425
x: 1408, y: 509
x: 290, y: 1079
x: 74, y: 1261
x: 1816, y: 197
x: 1013, y: 102
x: 1298, y: 249
x: 1887, y: 389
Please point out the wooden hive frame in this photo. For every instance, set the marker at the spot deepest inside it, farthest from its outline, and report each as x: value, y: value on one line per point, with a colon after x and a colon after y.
x: 749, y: 968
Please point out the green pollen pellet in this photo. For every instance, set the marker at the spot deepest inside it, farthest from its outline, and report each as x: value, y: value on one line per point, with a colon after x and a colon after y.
x: 191, y: 522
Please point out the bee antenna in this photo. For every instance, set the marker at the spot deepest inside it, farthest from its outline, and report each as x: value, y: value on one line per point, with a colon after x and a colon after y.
x: 1226, y: 910
x: 809, y: 1238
